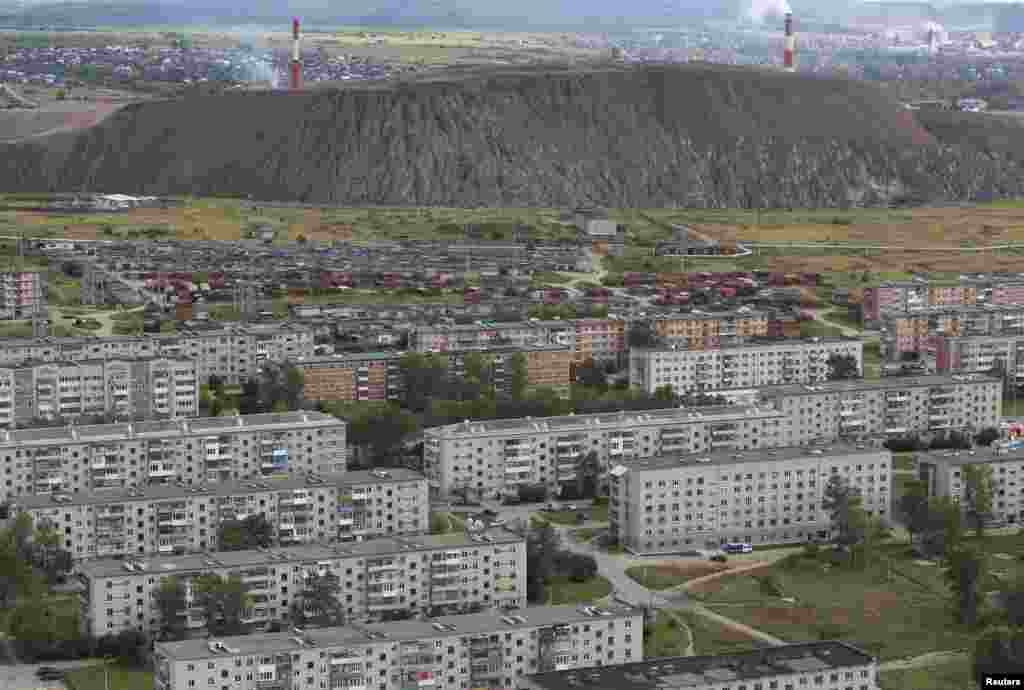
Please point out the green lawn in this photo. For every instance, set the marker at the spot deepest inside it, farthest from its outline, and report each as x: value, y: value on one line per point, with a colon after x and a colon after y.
x: 817, y: 329
x: 584, y: 535
x: 598, y: 513
x: 710, y: 638
x: 562, y: 590
x: 667, y: 636
x: 872, y: 359
x: 842, y: 317
x: 92, y: 678
x: 1013, y: 407
x: 905, y: 615
x: 949, y: 676
x: 654, y: 577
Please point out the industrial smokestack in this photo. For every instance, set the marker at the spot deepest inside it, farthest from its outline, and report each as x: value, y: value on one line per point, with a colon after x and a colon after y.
x: 296, y: 65
x: 789, y: 47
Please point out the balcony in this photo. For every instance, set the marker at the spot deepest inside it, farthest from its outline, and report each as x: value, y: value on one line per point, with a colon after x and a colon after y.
x: 380, y: 567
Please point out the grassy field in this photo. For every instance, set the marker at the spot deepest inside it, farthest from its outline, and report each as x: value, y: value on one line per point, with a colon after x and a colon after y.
x: 562, y: 590
x: 817, y: 329
x: 569, y: 517
x: 710, y: 638
x: 954, y: 675
x: 842, y: 317
x: 1013, y: 407
x: 667, y: 636
x: 92, y: 678
x: 903, y: 615
x: 584, y: 535
x: 672, y: 574
x: 903, y: 461
x: 872, y: 358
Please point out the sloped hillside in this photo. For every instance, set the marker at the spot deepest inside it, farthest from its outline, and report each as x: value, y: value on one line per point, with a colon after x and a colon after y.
x: 695, y: 135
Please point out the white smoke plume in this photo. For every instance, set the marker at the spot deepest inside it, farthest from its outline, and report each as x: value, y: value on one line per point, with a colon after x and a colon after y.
x: 762, y: 10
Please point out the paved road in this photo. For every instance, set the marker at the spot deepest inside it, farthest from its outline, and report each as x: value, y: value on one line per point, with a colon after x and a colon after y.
x: 23, y: 676
x: 929, y: 659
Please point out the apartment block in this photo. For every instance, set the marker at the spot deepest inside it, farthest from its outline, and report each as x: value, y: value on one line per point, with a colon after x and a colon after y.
x: 824, y: 665
x: 176, y: 519
x: 673, y: 503
x: 976, y: 354
x: 890, y: 407
x: 351, y: 377
x: 191, y: 451
x: 597, y: 339
x: 22, y: 293
x: 913, y: 333
x: 379, y: 578
x: 486, y: 334
x: 701, y: 330
x: 908, y: 297
x: 943, y: 473
x: 233, y: 353
x: 495, y: 457
x: 548, y: 366
x: 602, y: 340
x: 485, y: 651
x: 141, y: 389
x: 740, y: 366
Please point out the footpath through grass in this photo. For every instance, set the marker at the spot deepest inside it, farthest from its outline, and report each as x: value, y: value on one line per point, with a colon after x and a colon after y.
x: 954, y: 675
x: 894, y: 614
x: 92, y: 678
x: 667, y: 636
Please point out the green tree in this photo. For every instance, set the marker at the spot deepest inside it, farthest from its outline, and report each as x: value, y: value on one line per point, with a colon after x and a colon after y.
x: 519, y: 375
x: 224, y: 602
x: 171, y: 603
x: 251, y: 533
x: 977, y: 495
x: 842, y: 502
x: 318, y: 603
x: 542, y: 546
x: 588, y: 475
x: 842, y: 367
x: 591, y: 375
x: 964, y: 576
x: 913, y: 506
x: 665, y: 393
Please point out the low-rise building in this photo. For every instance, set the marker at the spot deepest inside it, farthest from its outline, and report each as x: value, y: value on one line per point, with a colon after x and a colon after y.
x: 192, y: 451
x: 351, y: 377
x: 825, y: 665
x: 435, y: 575
x: 151, y: 388
x: 942, y: 472
x: 893, y: 298
x: 492, y: 458
x: 976, y: 354
x: 673, y: 503
x: 176, y: 519
x: 739, y: 366
x: 913, y: 333
x: 891, y: 407
x: 488, y: 650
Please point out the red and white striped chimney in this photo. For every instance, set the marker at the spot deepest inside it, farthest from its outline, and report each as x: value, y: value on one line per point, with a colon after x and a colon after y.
x: 789, y: 46
x: 296, y: 64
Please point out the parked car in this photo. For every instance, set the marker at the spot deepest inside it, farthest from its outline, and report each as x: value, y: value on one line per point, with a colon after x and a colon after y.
x: 46, y: 669
x: 571, y: 506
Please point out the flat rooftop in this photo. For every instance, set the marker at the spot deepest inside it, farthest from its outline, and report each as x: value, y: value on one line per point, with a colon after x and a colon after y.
x: 199, y: 426
x: 735, y: 457
x: 216, y: 330
x: 892, y: 382
x: 678, y: 673
x: 584, y: 422
x: 232, y: 488
x: 467, y: 624
x: 995, y: 453
x: 783, y: 343
x: 306, y: 553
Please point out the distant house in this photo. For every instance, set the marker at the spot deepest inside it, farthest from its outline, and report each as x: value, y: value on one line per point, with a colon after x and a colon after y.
x: 688, y: 242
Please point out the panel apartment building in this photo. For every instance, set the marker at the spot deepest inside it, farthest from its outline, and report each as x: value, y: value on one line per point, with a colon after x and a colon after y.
x: 233, y: 353
x: 435, y: 575
x: 976, y: 354
x: 943, y: 473
x: 891, y: 407
x: 704, y: 330
x: 377, y: 376
x: 913, y: 333
x: 177, y: 519
x: 673, y: 503
x: 740, y: 366
x: 151, y: 388
x: 22, y: 293
x: 819, y: 665
x: 597, y: 339
x: 492, y: 458
x: 484, y: 651
x: 193, y: 451
x: 894, y: 298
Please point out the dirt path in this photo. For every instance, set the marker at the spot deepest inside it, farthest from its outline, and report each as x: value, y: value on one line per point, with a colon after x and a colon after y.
x: 846, y: 330
x: 929, y: 659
